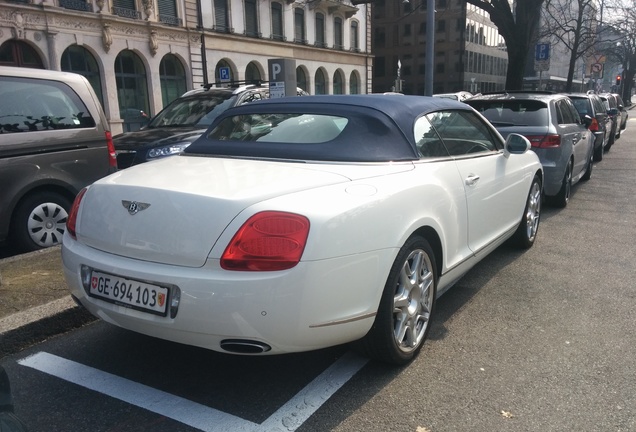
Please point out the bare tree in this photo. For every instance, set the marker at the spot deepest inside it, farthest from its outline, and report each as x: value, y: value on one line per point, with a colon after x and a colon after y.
x: 518, y: 27
x: 619, y: 41
x: 573, y: 24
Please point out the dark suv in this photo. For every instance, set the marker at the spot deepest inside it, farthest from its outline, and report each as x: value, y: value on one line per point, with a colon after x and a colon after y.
x: 182, y: 122
x: 555, y: 130
x: 54, y: 141
x: 590, y: 104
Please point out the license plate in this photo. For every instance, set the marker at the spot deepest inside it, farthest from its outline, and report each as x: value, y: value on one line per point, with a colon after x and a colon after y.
x: 128, y: 292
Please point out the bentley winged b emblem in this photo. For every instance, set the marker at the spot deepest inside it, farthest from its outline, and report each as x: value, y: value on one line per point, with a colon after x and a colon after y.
x: 134, y: 207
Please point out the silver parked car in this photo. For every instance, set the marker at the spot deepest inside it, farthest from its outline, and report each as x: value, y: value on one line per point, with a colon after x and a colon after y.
x: 558, y: 135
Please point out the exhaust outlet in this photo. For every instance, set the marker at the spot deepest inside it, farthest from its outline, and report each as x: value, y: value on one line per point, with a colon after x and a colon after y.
x: 243, y: 346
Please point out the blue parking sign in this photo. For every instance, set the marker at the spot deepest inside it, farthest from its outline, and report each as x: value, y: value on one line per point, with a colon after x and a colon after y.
x: 224, y: 73
x: 542, y: 51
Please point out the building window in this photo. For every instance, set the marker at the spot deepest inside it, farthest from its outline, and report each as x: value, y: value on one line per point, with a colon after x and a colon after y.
x: 299, y: 26
x: 252, y: 73
x: 80, y: 5
x: 320, y: 82
x: 79, y: 60
x: 301, y: 79
x: 338, y: 83
x: 337, y: 33
x: 320, y: 30
x: 221, y: 19
x: 172, y: 78
x: 277, y: 22
x: 379, y: 67
x: 251, y: 19
x: 355, y: 37
x: 132, y: 88
x: 441, y: 26
x: 379, y: 37
x: 168, y: 12
x: 354, y: 84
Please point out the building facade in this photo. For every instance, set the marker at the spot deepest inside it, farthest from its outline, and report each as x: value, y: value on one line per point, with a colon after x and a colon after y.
x: 469, y: 53
x: 141, y: 54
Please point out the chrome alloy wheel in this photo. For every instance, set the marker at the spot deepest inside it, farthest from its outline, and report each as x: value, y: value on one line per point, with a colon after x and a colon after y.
x: 413, y: 301
x: 533, y: 211
x: 47, y: 223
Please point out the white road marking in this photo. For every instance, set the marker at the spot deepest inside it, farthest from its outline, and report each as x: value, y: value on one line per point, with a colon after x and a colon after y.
x: 287, y: 418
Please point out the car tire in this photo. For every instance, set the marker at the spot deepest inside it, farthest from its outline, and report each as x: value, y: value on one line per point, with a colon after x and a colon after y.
x: 527, y: 230
x: 406, y: 307
x: 562, y: 198
x: 39, y: 221
x: 588, y: 169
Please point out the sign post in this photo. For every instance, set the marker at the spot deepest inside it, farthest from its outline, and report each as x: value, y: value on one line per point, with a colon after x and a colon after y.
x: 282, y: 77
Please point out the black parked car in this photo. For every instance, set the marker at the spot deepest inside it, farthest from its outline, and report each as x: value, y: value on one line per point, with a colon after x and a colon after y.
x: 612, y: 109
x: 590, y: 104
x: 182, y: 122
x: 624, y: 115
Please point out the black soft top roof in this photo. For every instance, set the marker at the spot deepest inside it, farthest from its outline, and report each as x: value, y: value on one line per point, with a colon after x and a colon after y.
x: 379, y: 128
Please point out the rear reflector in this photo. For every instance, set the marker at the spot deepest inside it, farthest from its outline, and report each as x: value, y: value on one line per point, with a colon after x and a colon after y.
x: 268, y: 241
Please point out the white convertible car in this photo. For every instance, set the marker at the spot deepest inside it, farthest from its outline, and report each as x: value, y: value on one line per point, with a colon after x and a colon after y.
x: 301, y: 223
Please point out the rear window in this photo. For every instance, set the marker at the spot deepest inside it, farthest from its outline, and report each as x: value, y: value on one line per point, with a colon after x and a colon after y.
x: 512, y: 112
x: 583, y: 106
x: 282, y: 128
x: 32, y: 105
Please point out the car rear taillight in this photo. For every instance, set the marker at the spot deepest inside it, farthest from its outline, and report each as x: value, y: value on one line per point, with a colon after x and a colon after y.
x: 71, y: 221
x: 112, y: 156
x: 544, y: 141
x: 594, y: 125
x: 268, y: 241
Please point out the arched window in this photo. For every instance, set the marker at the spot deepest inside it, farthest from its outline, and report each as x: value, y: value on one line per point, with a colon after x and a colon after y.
x: 17, y: 53
x: 79, y: 60
x: 354, y: 84
x: 252, y: 73
x: 320, y: 82
x: 301, y: 79
x: 338, y: 83
x: 277, y: 22
x: 172, y: 78
x: 132, y: 90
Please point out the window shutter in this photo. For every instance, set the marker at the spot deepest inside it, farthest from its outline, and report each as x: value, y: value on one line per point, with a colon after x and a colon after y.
x: 220, y: 14
x: 167, y: 7
x: 277, y: 21
x: 251, y: 21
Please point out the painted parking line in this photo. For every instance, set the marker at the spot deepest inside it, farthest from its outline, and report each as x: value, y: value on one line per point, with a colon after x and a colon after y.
x: 287, y: 418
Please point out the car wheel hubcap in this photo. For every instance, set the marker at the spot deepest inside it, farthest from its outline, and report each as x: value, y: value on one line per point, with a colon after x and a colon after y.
x: 413, y: 301
x: 46, y: 224
x: 534, y: 211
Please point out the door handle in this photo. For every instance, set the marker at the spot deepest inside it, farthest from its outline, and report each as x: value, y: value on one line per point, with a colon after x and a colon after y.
x: 471, y: 180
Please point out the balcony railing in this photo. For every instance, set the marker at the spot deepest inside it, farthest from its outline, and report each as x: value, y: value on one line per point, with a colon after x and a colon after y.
x: 170, y: 20
x: 79, y: 5
x: 126, y: 13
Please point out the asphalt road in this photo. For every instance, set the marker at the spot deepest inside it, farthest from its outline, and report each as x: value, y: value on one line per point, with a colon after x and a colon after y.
x: 541, y: 340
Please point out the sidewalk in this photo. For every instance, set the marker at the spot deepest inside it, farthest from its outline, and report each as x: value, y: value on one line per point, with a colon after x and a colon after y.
x: 34, y: 301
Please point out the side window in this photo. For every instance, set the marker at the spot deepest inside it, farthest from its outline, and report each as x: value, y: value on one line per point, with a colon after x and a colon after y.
x: 428, y: 142
x: 564, y: 115
x: 28, y: 105
x: 463, y: 133
x: 573, y: 112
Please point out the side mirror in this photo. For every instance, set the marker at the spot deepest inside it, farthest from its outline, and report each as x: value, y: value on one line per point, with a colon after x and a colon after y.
x: 516, y: 144
x: 620, y: 107
x: 613, y: 111
x: 587, y: 121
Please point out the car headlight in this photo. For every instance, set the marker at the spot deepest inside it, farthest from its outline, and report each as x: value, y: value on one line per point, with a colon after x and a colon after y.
x: 168, y: 150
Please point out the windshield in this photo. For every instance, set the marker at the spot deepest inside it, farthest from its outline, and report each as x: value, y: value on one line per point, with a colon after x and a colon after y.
x: 198, y: 110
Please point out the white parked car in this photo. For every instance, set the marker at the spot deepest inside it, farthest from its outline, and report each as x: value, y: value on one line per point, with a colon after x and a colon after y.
x: 297, y: 224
